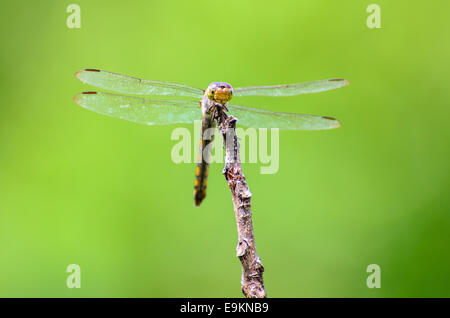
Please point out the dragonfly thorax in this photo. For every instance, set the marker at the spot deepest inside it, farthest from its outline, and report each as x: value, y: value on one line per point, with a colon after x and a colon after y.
x: 219, y: 92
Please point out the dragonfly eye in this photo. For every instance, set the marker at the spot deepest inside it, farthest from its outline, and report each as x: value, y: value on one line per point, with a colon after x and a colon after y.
x: 219, y: 92
x: 210, y: 93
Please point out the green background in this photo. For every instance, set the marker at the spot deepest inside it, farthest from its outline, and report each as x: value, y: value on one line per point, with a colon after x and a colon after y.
x: 77, y: 187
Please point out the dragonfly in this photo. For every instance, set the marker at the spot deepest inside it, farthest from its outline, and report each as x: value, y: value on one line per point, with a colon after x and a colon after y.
x: 164, y: 111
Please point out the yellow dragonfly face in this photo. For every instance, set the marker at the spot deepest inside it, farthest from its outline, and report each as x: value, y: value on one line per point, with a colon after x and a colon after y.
x: 219, y: 92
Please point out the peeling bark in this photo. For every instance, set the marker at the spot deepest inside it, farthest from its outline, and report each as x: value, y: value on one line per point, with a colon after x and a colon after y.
x: 252, y: 269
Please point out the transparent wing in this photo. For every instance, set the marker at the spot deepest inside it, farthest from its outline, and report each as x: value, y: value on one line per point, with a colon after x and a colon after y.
x: 292, y: 89
x: 140, y: 110
x: 131, y: 85
x: 259, y: 118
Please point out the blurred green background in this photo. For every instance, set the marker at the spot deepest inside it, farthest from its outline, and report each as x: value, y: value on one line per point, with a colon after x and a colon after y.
x: 78, y: 187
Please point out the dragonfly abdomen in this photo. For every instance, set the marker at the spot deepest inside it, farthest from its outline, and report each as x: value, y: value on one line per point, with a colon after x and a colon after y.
x: 201, y: 171
x: 204, y: 156
x: 201, y: 180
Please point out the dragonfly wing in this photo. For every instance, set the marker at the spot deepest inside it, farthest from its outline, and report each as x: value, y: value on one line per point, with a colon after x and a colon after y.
x: 292, y: 89
x: 259, y: 118
x: 131, y: 85
x: 140, y: 110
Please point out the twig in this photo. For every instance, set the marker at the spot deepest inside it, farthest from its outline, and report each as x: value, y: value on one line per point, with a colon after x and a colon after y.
x: 252, y: 269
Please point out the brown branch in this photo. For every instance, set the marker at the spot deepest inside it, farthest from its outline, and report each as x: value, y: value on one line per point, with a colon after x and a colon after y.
x: 252, y: 269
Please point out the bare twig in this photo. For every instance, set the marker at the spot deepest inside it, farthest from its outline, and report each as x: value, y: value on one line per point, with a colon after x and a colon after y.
x: 252, y: 268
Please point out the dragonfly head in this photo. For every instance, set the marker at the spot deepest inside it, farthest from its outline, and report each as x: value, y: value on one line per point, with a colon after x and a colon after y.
x: 219, y: 92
